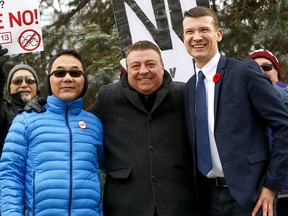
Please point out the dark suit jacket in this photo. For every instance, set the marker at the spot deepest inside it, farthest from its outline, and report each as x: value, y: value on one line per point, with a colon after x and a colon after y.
x: 245, y: 104
x: 148, y: 156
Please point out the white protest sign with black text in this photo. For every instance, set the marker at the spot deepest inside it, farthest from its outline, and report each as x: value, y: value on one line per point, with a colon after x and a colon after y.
x: 159, y: 21
x: 20, y: 28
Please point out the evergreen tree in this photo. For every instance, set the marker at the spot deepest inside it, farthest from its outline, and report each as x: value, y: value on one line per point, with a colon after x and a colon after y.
x: 89, y: 27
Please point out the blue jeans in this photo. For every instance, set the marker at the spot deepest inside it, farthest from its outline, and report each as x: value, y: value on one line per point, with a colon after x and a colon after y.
x: 222, y: 203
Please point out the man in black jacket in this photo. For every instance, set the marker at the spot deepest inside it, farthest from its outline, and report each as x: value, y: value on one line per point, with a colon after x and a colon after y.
x: 148, y: 158
x: 22, y: 86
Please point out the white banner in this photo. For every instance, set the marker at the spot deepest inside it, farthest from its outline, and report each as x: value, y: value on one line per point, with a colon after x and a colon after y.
x: 20, y: 28
x: 159, y: 21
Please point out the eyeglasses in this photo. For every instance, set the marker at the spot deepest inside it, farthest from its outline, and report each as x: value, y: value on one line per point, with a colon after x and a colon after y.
x: 28, y: 80
x: 62, y: 73
x: 267, y: 67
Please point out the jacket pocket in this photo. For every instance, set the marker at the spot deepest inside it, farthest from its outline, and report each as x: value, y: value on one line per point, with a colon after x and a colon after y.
x: 121, y: 173
x: 258, y: 156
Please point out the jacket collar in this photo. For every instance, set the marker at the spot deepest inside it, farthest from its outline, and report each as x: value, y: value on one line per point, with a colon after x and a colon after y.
x: 221, y: 71
x: 16, y: 99
x: 133, y: 95
x: 59, y: 106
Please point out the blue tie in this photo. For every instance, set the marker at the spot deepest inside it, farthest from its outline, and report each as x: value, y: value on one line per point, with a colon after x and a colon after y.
x: 202, y: 135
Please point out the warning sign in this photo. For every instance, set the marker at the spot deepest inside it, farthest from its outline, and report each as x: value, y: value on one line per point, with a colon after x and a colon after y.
x: 29, y: 40
x: 20, y: 28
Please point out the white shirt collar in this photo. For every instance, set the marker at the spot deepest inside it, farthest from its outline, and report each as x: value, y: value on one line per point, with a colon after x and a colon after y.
x: 210, y: 68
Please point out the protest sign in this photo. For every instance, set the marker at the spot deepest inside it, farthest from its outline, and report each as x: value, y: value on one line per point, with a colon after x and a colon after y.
x: 159, y: 21
x: 20, y: 28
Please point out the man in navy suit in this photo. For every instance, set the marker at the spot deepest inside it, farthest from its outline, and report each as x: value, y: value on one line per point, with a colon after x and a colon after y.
x: 241, y: 103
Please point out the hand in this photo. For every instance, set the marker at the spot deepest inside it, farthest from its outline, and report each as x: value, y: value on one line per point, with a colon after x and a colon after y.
x: 36, y: 104
x: 3, y: 59
x: 266, y: 200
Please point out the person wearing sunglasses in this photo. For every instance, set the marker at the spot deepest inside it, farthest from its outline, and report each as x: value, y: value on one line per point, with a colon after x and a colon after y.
x: 269, y: 64
x: 51, y: 159
x: 272, y: 69
x: 21, y: 85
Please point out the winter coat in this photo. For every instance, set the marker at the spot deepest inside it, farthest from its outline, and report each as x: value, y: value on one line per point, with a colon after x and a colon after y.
x: 149, y: 162
x: 51, y: 160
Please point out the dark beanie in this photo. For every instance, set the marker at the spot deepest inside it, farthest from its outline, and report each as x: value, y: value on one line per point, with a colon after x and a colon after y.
x: 262, y: 53
x: 21, y: 67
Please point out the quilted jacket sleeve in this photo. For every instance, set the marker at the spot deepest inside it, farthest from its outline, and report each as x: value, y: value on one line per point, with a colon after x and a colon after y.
x: 100, y: 146
x: 12, y: 169
x: 283, y: 93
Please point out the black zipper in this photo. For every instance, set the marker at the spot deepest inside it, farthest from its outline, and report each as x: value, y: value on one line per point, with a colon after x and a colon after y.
x: 70, y: 158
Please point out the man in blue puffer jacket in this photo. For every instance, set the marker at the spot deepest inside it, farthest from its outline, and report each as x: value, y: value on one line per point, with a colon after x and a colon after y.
x: 51, y: 159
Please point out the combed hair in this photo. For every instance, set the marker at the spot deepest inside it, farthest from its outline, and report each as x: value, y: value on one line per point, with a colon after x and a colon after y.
x: 144, y: 45
x: 200, y: 11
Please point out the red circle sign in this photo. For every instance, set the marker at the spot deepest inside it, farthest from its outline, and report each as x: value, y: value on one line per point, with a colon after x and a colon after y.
x: 29, y: 40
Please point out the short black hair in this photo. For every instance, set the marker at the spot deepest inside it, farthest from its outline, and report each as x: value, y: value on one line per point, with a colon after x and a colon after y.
x: 66, y: 52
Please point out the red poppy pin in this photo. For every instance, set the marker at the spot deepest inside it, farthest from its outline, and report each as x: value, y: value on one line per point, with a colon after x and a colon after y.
x: 216, y: 77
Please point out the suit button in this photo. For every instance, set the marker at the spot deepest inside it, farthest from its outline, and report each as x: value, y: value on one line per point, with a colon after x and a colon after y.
x: 154, y: 178
x: 152, y: 148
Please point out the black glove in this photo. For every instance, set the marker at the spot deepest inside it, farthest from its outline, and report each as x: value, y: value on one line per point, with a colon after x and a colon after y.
x: 3, y: 59
x: 36, y: 104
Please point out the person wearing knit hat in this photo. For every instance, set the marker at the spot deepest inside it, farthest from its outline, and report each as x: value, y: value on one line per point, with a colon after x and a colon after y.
x: 268, y: 63
x: 22, y: 85
x: 272, y: 69
x: 27, y: 89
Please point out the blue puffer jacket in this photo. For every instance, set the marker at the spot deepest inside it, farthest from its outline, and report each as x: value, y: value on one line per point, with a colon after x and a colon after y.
x: 56, y: 155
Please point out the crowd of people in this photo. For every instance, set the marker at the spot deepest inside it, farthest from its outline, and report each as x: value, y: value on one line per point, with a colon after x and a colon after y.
x: 168, y: 148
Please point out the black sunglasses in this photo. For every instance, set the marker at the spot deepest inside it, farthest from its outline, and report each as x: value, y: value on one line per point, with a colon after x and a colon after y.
x: 28, y: 80
x: 62, y: 73
x: 267, y: 67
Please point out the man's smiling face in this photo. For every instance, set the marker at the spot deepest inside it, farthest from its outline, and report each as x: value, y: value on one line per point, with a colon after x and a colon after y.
x: 201, y: 38
x: 145, y: 71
